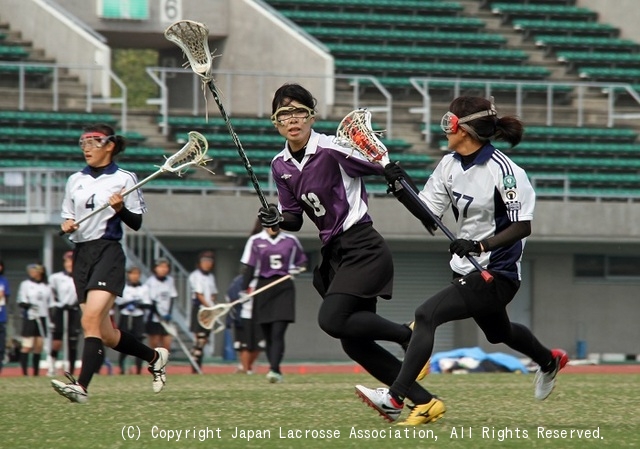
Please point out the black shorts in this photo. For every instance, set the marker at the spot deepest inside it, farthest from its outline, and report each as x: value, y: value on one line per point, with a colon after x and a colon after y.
x: 357, y: 262
x: 30, y: 328
x: 484, y: 298
x: 57, y: 323
x: 154, y: 328
x: 98, y: 265
x: 133, y: 325
x: 248, y: 336
x: 195, y: 326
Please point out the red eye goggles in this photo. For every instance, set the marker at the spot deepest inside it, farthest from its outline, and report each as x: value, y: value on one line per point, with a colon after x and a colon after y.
x: 450, y: 122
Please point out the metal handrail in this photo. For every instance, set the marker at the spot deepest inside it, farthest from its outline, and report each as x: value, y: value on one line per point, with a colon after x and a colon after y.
x: 610, y: 89
x: 54, y: 73
x: 225, y: 78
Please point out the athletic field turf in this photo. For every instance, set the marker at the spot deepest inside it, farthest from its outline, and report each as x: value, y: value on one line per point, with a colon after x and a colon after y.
x: 309, y: 410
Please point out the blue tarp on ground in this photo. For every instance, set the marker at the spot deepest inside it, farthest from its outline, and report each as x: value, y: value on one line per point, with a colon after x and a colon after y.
x: 509, y: 362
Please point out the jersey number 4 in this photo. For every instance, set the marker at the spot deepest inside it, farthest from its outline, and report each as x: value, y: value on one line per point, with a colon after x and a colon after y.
x: 91, y: 202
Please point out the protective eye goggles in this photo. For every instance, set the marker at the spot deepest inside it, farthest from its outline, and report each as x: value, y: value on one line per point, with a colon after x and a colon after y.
x: 96, y: 140
x: 288, y: 112
x: 450, y: 122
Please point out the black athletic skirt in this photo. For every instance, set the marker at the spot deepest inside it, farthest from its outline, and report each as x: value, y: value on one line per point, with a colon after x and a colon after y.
x: 30, y: 328
x: 357, y: 262
x: 248, y: 336
x: 277, y: 303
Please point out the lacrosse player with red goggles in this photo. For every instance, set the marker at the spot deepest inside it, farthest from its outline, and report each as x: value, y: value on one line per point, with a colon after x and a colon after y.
x: 99, y: 260
x: 319, y: 178
x: 493, y: 203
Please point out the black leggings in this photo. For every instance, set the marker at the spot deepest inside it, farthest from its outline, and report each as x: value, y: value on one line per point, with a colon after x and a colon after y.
x: 274, y: 337
x: 355, y: 322
x: 486, y: 306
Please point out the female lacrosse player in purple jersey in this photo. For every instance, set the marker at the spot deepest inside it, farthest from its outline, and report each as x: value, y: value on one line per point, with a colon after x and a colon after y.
x: 269, y: 255
x: 493, y: 202
x: 98, y: 259
x: 317, y: 177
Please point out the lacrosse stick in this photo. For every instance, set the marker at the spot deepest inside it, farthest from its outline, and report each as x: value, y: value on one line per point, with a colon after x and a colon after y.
x: 193, y: 153
x: 354, y: 131
x: 192, y: 38
x: 173, y: 331
x: 208, y: 316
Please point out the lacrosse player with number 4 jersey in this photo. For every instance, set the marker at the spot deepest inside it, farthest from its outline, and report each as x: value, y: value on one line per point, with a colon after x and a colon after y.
x: 99, y: 260
x: 320, y: 179
x: 493, y: 203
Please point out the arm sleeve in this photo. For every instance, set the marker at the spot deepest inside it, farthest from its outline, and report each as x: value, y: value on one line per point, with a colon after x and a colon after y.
x: 131, y: 219
x: 516, y: 231
x: 247, y: 276
x: 291, y: 222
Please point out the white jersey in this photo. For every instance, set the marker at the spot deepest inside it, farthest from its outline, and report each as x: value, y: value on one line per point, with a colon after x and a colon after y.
x: 161, y: 293
x: 84, y: 193
x: 486, y: 197
x: 38, y: 295
x: 63, y: 288
x: 138, y: 293
x: 204, y: 284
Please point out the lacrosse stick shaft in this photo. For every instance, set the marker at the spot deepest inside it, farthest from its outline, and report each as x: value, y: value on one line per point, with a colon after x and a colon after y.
x: 174, y: 333
x: 484, y: 273
x: 238, y: 144
x: 260, y: 290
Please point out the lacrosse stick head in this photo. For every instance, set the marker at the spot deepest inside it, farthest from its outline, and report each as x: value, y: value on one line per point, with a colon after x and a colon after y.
x: 354, y: 131
x: 210, y: 316
x: 193, y: 39
x: 193, y: 153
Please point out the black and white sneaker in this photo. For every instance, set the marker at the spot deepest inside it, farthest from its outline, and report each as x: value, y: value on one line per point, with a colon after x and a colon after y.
x: 72, y: 390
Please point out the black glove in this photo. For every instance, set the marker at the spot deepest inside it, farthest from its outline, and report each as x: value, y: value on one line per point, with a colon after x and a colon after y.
x: 392, y: 173
x: 464, y: 247
x: 270, y: 217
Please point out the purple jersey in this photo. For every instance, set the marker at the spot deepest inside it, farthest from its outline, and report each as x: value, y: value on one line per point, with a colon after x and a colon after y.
x: 326, y: 185
x: 273, y: 256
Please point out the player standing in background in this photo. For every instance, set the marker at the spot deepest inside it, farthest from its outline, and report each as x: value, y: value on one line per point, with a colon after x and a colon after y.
x: 317, y: 177
x: 132, y: 305
x: 34, y: 297
x: 5, y: 291
x: 65, y: 315
x: 493, y: 202
x: 203, y: 294
x: 248, y: 340
x: 269, y: 255
x: 99, y: 260
x: 162, y: 294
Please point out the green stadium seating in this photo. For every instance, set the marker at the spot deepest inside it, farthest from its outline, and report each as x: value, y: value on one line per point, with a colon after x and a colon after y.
x: 576, y: 43
x: 319, y: 18
x: 386, y: 68
x: 575, y: 163
x: 610, y: 74
x: 565, y: 27
x: 57, y: 118
x: 573, y: 149
x: 435, y: 54
x: 12, y: 53
x: 383, y: 6
x: 386, y: 37
x: 613, y: 60
x: 509, y: 11
x: 239, y: 170
x: 28, y: 69
x: 46, y: 135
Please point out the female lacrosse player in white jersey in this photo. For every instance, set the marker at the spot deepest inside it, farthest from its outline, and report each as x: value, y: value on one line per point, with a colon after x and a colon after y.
x: 162, y: 294
x: 98, y: 260
x: 132, y: 305
x: 317, y: 177
x: 269, y: 255
x: 493, y: 202
x: 34, y: 298
x: 65, y: 314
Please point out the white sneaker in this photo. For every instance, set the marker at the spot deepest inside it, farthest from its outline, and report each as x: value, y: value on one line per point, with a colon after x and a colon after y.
x: 72, y: 391
x: 546, y: 381
x: 274, y: 377
x: 157, y: 369
x: 379, y: 399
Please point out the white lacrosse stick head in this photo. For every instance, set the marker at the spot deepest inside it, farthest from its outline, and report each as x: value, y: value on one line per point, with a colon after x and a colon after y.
x: 193, y: 153
x: 193, y: 39
x: 354, y: 131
